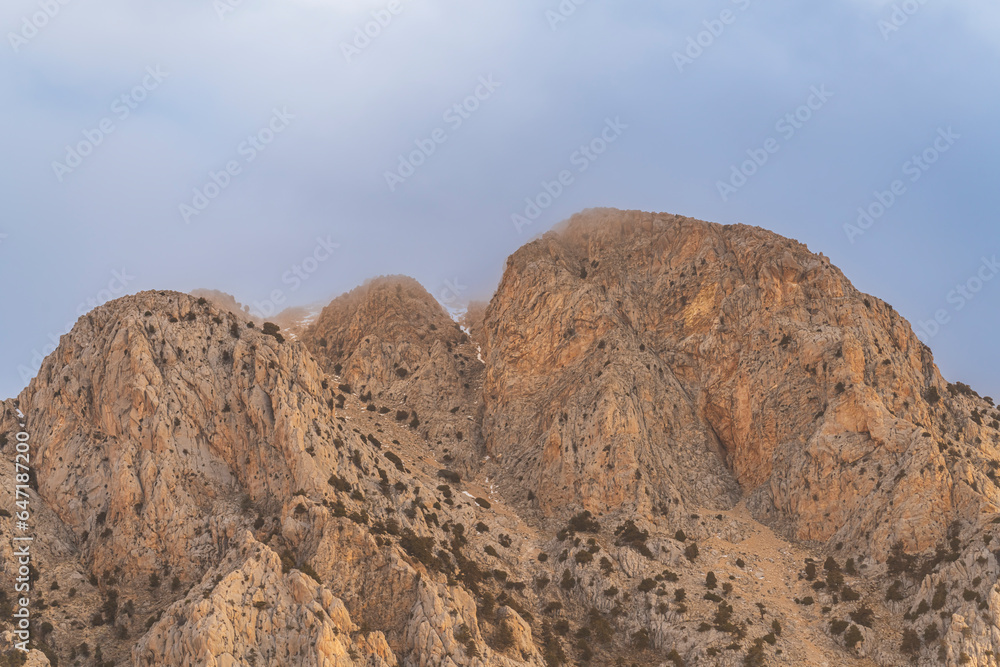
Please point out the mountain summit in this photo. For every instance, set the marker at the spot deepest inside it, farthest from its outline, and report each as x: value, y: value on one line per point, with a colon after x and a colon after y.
x: 663, y: 442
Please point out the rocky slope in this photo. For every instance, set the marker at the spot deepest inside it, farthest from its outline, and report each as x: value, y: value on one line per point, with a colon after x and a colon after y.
x: 393, y: 343
x: 292, y: 320
x: 747, y: 356
x: 663, y: 442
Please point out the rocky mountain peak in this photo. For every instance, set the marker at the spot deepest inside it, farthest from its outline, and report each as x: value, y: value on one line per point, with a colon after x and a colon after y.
x: 395, y: 309
x: 663, y: 441
x: 392, y: 343
x: 650, y: 360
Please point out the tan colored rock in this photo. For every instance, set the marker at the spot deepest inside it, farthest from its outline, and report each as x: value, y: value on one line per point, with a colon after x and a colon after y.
x: 392, y: 343
x: 255, y: 613
x: 720, y: 399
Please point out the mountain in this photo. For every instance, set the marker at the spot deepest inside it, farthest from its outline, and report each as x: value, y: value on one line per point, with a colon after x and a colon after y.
x: 395, y: 345
x: 662, y: 442
x: 293, y: 320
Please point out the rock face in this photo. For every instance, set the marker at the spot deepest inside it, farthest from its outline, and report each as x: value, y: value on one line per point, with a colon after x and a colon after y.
x: 393, y: 342
x: 226, y: 302
x: 292, y: 320
x: 251, y: 611
x: 663, y: 441
x: 150, y: 422
x: 717, y: 360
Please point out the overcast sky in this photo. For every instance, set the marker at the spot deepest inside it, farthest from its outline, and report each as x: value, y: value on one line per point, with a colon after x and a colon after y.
x: 190, y: 144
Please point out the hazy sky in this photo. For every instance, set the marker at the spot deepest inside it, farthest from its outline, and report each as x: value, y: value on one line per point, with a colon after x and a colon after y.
x: 190, y: 144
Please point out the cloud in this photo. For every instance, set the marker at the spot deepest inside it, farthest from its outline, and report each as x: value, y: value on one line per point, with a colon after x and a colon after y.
x: 355, y: 117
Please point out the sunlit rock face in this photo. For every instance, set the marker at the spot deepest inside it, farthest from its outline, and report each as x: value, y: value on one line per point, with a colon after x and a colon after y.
x: 645, y: 400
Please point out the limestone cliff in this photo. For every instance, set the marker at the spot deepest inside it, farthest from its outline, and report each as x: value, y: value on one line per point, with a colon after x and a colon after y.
x: 390, y: 342
x: 663, y: 442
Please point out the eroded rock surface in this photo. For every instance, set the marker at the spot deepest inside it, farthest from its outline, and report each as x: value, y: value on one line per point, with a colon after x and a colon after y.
x: 663, y: 442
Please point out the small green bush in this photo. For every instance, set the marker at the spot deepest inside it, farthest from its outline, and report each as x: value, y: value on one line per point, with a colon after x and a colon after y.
x: 853, y: 637
x: 584, y: 522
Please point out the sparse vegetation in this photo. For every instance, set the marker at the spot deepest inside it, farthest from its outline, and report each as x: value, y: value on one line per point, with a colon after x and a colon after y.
x: 420, y: 549
x: 628, y: 534
x: 386, y: 498
x: 584, y: 522
x: 895, y: 592
x: 503, y: 638
x: 940, y: 597
x: 911, y: 642
x: 853, y: 637
x: 449, y: 476
x: 273, y: 330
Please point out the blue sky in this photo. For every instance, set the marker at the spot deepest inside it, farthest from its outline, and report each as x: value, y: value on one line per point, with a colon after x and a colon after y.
x: 222, y: 145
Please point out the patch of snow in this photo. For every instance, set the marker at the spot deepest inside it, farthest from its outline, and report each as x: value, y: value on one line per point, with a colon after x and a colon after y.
x: 466, y: 493
x: 455, y: 313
